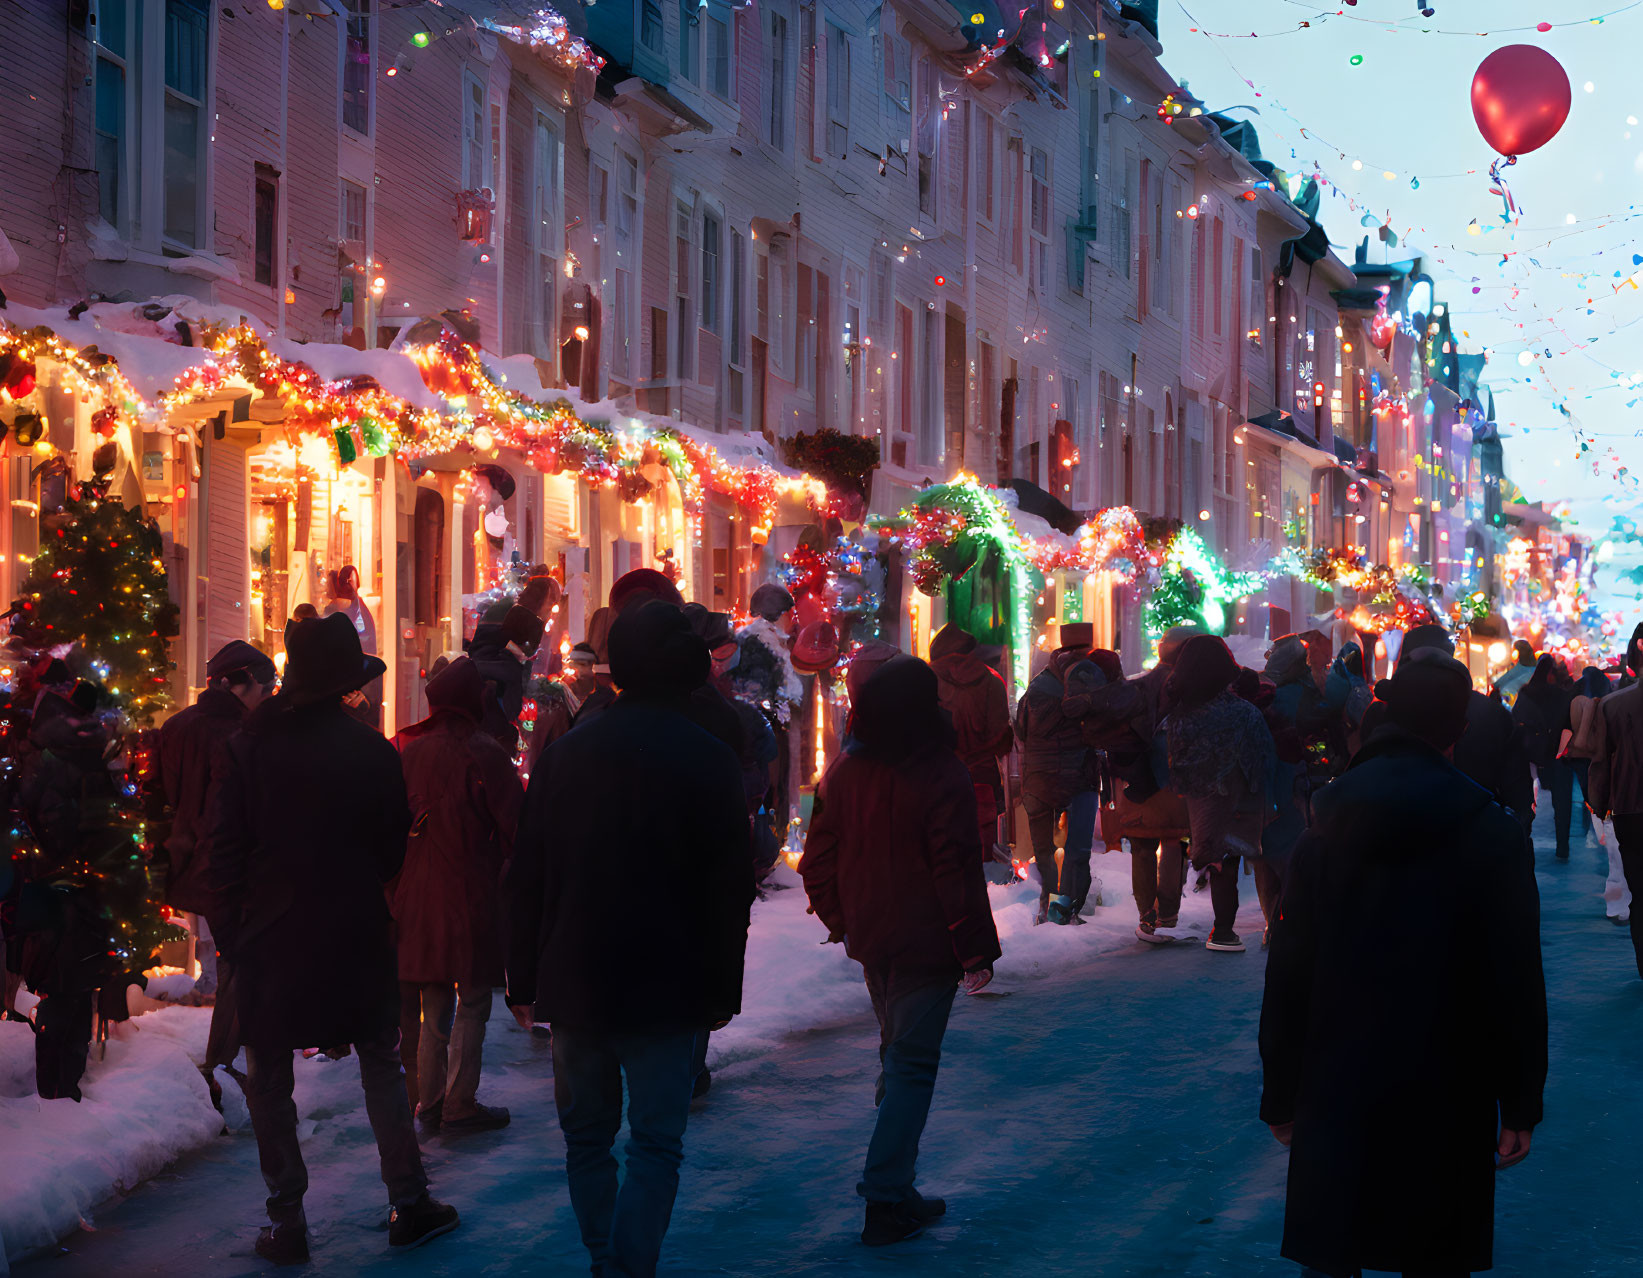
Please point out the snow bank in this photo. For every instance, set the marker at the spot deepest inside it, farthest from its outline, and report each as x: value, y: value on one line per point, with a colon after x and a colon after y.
x: 144, y: 1105
x: 795, y: 981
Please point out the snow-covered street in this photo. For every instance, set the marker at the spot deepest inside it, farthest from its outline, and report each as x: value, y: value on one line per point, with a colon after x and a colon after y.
x: 1098, y: 1119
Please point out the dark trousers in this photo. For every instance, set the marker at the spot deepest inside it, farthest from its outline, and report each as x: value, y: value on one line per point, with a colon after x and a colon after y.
x: 274, y: 1119
x: 1223, y: 890
x: 1582, y: 769
x: 450, y: 1037
x: 222, y: 1044
x: 1558, y: 777
x: 623, y: 1225
x: 1157, y: 881
x: 911, y: 1026
x: 62, y: 1043
x: 1073, y: 878
x: 1628, y: 833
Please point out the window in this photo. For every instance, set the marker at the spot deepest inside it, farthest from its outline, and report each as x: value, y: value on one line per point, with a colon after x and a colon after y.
x: 804, y: 334
x: 1257, y: 296
x: 627, y: 200
x: 546, y: 239
x: 776, y: 335
x: 1172, y: 248
x: 683, y: 310
x: 690, y: 40
x: 897, y: 54
x: 1130, y: 217
x: 356, y: 67
x: 776, y: 117
x: 738, y: 287
x: 475, y: 154
x: 113, y: 53
x: 1041, y: 219
x: 353, y: 211
x: 1220, y: 275
x: 710, y: 272
x: 929, y: 136
x: 1092, y: 157
x: 265, y: 224
x: 878, y: 311
x: 621, y: 360
x: 838, y: 92
x: 1013, y: 164
x: 650, y: 24
x: 930, y: 364
x: 718, y: 54
x: 1162, y: 257
x: 187, y: 37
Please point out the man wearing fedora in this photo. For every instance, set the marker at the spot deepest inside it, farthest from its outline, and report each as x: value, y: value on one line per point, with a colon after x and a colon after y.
x: 309, y: 819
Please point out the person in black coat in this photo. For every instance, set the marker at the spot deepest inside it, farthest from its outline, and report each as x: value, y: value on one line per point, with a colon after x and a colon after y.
x: 1403, y: 1033
x: 308, y: 821
x: 637, y: 795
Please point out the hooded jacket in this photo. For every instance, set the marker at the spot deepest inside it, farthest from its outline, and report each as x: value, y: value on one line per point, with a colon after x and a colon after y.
x: 973, y: 693
x: 189, y: 741
x: 1055, y: 762
x: 1404, y: 1003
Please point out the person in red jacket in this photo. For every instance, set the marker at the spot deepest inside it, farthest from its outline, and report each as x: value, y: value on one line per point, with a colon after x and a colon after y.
x: 893, y: 868
x: 974, y: 694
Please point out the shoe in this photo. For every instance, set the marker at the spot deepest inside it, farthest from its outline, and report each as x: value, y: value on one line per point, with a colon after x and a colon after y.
x: 700, y: 1087
x: 1148, y: 932
x: 432, y: 1117
x: 423, y: 1220
x: 929, y: 1208
x: 1226, y: 942
x: 1062, y: 910
x: 1563, y: 854
x: 283, y: 1244
x: 891, y: 1223
x: 485, y: 1118
x: 1172, y: 921
x: 1266, y: 937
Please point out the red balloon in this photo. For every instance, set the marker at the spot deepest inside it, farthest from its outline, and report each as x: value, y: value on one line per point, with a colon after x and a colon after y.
x: 1520, y: 98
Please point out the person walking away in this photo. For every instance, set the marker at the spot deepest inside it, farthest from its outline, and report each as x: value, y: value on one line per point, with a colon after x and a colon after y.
x: 973, y: 693
x: 554, y: 719
x: 1300, y: 721
x: 636, y: 795
x: 1056, y: 778
x: 300, y: 860
x: 238, y: 679
x: 893, y: 868
x: 1580, y: 738
x: 1347, y: 694
x: 502, y: 651
x: 365, y: 703
x: 1221, y: 759
x: 1540, y: 711
x: 1403, y: 1031
x: 465, y: 799
x: 1617, y: 794
x: 1521, y: 670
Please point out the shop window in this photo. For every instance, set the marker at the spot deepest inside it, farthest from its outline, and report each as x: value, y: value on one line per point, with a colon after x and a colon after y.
x: 429, y: 534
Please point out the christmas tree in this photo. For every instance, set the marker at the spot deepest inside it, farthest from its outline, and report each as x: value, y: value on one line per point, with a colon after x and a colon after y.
x: 96, y: 594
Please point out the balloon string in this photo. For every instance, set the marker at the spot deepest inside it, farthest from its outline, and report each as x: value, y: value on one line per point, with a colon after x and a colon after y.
x: 1513, y: 212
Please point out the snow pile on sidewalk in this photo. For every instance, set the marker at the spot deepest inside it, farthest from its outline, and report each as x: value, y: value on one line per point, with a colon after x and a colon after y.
x: 795, y: 981
x: 145, y: 1104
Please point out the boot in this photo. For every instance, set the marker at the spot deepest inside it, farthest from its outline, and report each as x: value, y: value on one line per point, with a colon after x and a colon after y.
x: 283, y: 1244
x: 421, y: 1222
x: 891, y: 1223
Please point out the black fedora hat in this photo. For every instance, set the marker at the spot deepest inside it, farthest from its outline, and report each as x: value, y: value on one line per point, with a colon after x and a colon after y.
x: 323, y: 659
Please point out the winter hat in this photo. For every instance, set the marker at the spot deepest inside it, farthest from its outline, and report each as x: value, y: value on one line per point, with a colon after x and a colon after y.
x: 951, y: 640
x: 1428, y: 697
x: 898, y: 711
x: 1427, y: 637
x: 323, y: 659
x: 1172, y: 641
x: 643, y: 584
x: 1352, y: 660
x: 1204, y: 667
x: 460, y: 688
x: 1109, y: 663
x: 864, y: 661
x: 817, y: 648
x: 654, y: 652
x: 581, y: 654
x: 237, y: 656
x: 714, y: 628
x: 1253, y: 688
x: 1077, y: 634
x: 1286, y: 659
x: 523, y: 627
x: 770, y: 601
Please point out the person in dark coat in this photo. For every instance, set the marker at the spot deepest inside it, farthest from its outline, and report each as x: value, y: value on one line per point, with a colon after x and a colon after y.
x: 1403, y: 1032
x: 465, y: 798
x: 1616, y: 777
x: 1057, y: 778
x: 1541, y: 711
x: 637, y: 795
x: 893, y: 869
x: 554, y: 719
x: 1492, y: 752
x: 238, y: 679
x: 973, y: 693
x: 1513, y: 678
x: 308, y: 822
x: 502, y: 652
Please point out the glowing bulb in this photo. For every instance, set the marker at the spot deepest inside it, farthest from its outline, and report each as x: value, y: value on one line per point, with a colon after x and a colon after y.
x: 581, y: 331
x: 420, y: 39
x: 483, y: 440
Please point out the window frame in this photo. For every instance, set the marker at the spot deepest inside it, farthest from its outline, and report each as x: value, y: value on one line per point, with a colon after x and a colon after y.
x: 170, y: 243
x: 476, y: 136
x: 265, y: 179
x: 126, y: 62
x: 1040, y: 208
x: 711, y: 252
x: 361, y: 12
x: 838, y: 91
x: 778, y: 67
x: 547, y: 239
x: 689, y: 63
x: 720, y: 22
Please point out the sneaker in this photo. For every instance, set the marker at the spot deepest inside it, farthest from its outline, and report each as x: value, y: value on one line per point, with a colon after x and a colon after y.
x: 283, y: 1244
x: 1172, y: 921
x: 1226, y: 942
x: 485, y: 1118
x: 891, y: 1223
x: 423, y: 1220
x: 1148, y: 932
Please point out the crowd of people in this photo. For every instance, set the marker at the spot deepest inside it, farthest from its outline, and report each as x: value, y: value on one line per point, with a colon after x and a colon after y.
x: 353, y: 894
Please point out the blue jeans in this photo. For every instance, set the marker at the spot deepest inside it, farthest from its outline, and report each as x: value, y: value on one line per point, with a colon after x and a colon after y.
x: 1073, y: 880
x: 622, y: 1227
x: 911, y: 1026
